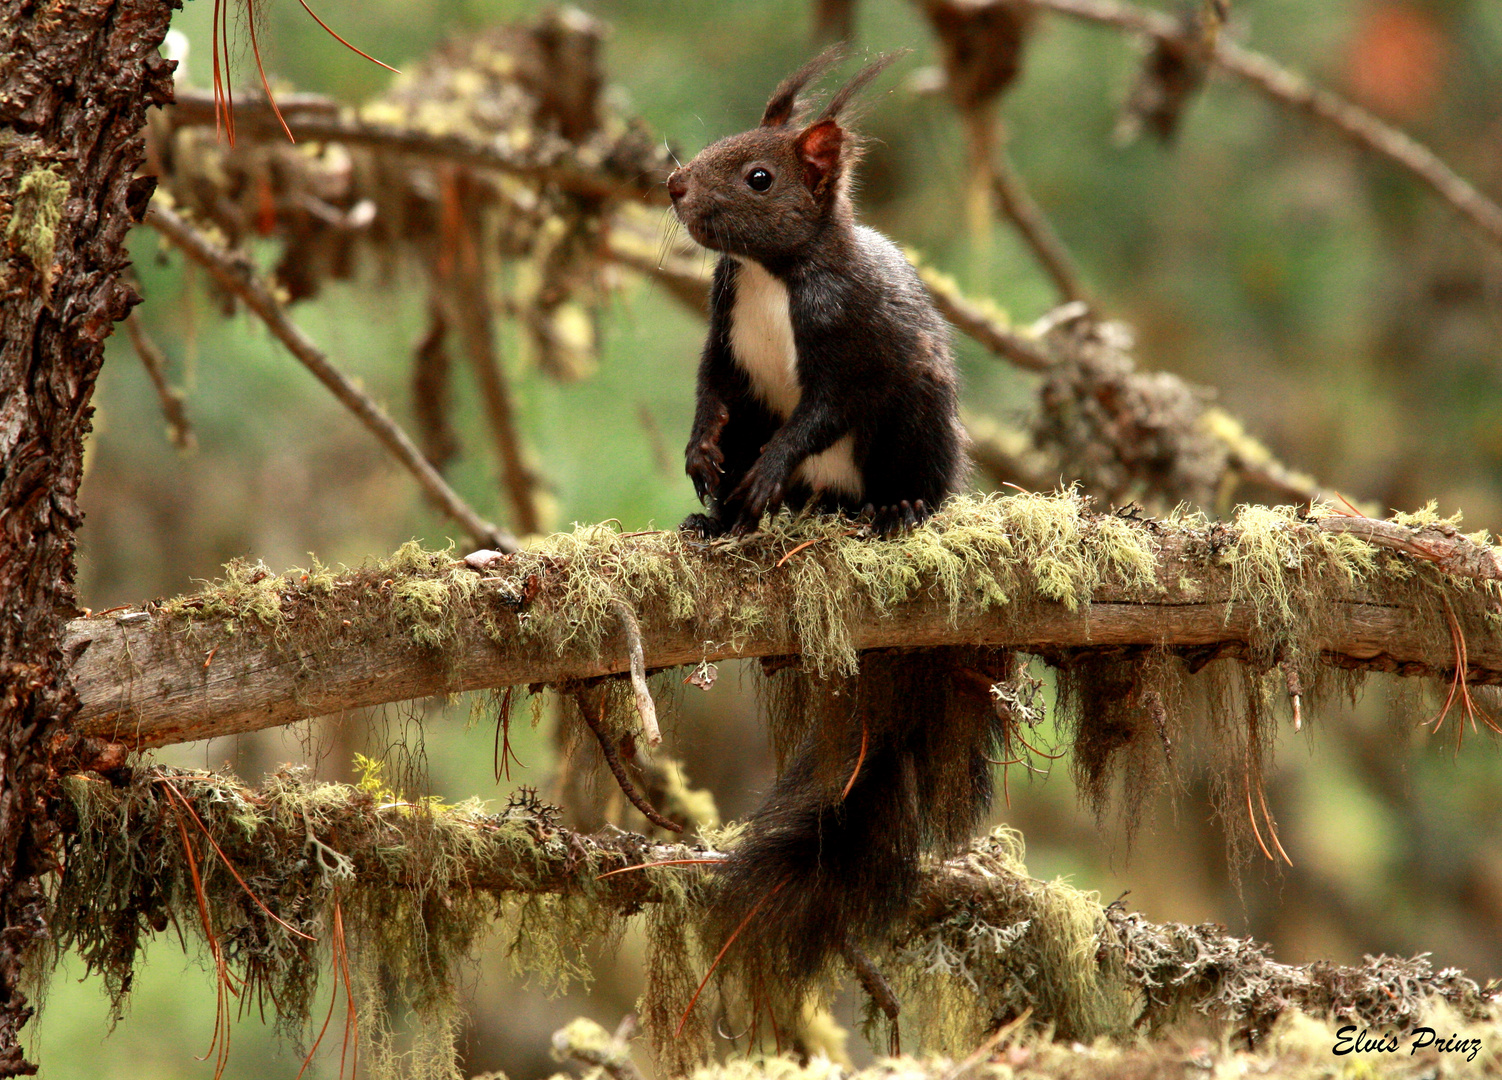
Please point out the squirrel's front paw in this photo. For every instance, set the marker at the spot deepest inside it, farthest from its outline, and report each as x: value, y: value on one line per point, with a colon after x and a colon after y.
x: 705, y: 464
x: 757, y: 493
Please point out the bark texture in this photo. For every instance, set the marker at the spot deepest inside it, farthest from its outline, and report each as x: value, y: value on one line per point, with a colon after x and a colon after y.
x: 76, y: 79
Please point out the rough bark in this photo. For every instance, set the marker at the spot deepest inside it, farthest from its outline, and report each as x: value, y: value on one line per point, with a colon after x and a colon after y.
x: 75, y: 82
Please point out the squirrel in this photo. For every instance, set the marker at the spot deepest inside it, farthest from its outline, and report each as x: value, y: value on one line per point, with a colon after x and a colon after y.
x: 827, y: 377
x: 827, y: 382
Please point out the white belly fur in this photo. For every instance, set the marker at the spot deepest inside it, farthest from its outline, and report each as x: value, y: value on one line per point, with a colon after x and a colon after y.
x: 761, y: 340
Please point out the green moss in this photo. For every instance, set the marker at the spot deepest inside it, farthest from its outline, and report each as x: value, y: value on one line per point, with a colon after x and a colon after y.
x: 36, y: 216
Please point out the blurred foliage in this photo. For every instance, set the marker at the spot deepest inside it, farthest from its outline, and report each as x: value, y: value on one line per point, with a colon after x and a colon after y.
x: 1350, y: 319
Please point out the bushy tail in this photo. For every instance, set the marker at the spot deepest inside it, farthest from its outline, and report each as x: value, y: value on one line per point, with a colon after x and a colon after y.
x: 889, y: 766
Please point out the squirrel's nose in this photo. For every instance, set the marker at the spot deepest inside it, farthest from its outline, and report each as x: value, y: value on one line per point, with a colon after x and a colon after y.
x: 677, y: 185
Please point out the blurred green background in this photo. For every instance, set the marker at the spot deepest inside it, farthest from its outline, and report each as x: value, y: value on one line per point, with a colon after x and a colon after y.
x: 1352, y: 320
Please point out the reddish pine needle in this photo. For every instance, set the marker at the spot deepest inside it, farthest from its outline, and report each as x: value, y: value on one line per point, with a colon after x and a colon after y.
x: 663, y: 862
x: 224, y: 101
x: 794, y: 550
x: 721, y: 955
x: 255, y: 49
x: 224, y: 98
x: 283, y: 923
x: 859, y: 761
x: 504, y: 755
x: 330, y: 30
x: 220, y: 1037
x: 1272, y: 826
x: 1040, y: 753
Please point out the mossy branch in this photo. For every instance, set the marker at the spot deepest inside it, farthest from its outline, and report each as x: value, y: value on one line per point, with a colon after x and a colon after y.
x: 418, y: 886
x: 1036, y: 573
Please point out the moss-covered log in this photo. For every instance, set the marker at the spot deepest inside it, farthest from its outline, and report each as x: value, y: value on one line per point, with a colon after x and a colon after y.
x: 277, y: 876
x: 1040, y: 574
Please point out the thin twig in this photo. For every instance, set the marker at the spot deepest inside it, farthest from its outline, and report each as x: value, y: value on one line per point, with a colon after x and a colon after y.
x: 988, y: 327
x: 171, y: 398
x: 1289, y: 88
x: 468, y: 307
x: 876, y: 987
x: 235, y: 274
x: 645, y: 707
x: 593, y: 713
x: 989, y: 1044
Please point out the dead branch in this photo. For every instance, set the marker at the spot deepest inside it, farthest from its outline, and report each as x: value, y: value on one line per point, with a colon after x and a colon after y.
x: 522, y: 851
x: 1291, y: 89
x: 1441, y: 544
x: 591, y: 702
x: 317, y: 119
x: 468, y: 307
x: 645, y: 708
x: 171, y: 398
x: 236, y: 274
x: 1018, y: 205
x: 283, y: 649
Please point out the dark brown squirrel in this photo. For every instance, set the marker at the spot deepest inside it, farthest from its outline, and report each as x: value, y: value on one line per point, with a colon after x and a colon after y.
x: 827, y: 377
x: 827, y: 380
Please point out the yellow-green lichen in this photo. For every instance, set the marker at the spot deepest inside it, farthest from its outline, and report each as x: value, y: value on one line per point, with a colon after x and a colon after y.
x: 37, y: 215
x: 1022, y: 944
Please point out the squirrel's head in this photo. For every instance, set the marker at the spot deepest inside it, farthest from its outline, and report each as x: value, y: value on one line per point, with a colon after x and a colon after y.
x: 768, y: 192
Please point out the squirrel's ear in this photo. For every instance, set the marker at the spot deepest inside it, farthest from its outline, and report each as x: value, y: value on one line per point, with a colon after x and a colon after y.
x: 819, y: 150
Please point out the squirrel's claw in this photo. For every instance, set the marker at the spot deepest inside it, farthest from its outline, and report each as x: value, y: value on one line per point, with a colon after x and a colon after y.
x: 705, y: 526
x: 756, y: 494
x: 705, y: 465
x: 899, y: 518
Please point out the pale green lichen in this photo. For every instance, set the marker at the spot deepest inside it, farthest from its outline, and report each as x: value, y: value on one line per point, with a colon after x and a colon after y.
x: 127, y: 870
x: 1021, y: 945
x: 36, y: 216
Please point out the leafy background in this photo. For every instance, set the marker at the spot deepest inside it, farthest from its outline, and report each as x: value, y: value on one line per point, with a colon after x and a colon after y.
x: 1352, y: 320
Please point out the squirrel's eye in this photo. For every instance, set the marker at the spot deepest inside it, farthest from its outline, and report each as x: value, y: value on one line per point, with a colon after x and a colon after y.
x: 759, y: 179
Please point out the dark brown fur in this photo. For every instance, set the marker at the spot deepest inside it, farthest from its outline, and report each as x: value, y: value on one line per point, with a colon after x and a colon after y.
x: 872, y: 355
x: 883, y: 768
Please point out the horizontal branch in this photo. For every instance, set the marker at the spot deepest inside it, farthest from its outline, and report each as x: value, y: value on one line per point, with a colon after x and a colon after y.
x: 1029, y: 572
x: 323, y: 120
x: 309, y: 846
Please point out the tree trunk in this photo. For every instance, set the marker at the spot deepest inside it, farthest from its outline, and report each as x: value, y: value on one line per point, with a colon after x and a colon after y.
x: 76, y: 78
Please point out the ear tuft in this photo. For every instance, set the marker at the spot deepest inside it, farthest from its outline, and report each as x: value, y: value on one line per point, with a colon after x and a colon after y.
x: 819, y: 150
x: 785, y: 97
x: 847, y: 93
